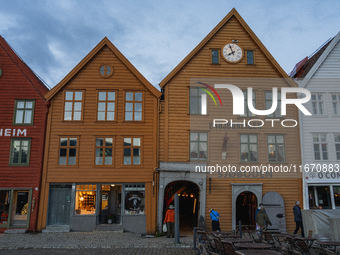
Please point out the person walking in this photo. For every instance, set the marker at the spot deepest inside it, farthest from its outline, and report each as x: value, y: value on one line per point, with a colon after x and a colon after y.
x: 215, y: 220
x: 261, y: 217
x: 257, y: 228
x: 298, y: 218
x: 170, y: 221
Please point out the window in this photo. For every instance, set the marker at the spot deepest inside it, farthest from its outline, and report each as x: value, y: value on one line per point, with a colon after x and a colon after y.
x: 248, y: 113
x: 269, y: 102
x: 320, y: 147
x: 23, y: 113
x: 86, y: 199
x: 198, y: 146
x: 336, y: 192
x: 337, y: 145
x: 195, y: 100
x: 336, y: 104
x: 249, y: 148
x: 104, y: 148
x: 134, y: 199
x: 68, y: 151
x: 317, y: 104
x: 215, y: 57
x: 105, y: 71
x: 276, y: 148
x: 250, y: 57
x: 132, y: 151
x: 106, y: 106
x: 133, y: 106
x: 73, y: 105
x: 20, y: 152
x: 5, y: 199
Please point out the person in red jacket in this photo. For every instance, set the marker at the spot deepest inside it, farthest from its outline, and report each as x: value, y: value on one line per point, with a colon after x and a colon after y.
x: 170, y: 221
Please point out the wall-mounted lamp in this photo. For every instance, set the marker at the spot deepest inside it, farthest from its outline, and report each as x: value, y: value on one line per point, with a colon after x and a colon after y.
x: 234, y: 40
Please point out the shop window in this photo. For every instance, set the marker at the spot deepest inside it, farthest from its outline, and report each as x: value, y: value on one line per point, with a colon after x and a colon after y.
x: 73, y: 105
x: 215, y: 57
x: 104, y: 148
x: 269, y: 102
x: 134, y: 199
x: 249, y: 148
x: 68, y: 151
x: 132, y: 151
x: 198, y: 146
x: 320, y: 147
x: 317, y: 104
x: 311, y: 197
x: 5, y: 198
x: 248, y: 113
x: 133, y: 106
x: 23, y: 113
x: 276, y: 148
x: 20, y: 152
x: 86, y: 199
x: 106, y: 106
x: 336, y: 191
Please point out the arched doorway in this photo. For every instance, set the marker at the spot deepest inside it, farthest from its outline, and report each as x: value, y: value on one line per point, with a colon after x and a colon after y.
x: 188, y: 203
x: 246, y: 205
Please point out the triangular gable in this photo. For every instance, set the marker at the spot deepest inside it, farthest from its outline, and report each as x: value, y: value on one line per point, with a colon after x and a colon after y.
x: 33, y: 79
x: 232, y: 13
x: 320, y: 61
x: 89, y: 56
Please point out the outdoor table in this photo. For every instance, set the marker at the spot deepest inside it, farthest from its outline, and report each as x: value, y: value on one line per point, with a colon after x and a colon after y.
x: 257, y: 252
x: 230, y: 236
x: 253, y: 246
x: 309, y: 240
x: 237, y: 240
x: 328, y: 244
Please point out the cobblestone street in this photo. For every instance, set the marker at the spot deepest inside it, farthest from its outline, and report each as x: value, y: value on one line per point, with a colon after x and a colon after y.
x: 92, y: 243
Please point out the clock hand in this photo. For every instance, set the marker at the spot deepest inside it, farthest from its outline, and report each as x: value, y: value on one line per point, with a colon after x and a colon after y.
x: 232, y: 52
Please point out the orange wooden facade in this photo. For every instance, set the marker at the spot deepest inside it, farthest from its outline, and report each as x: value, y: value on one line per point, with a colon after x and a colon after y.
x: 176, y: 122
x: 104, y: 69
x: 21, y: 91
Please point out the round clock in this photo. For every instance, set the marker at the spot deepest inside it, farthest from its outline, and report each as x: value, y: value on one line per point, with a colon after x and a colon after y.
x: 232, y: 52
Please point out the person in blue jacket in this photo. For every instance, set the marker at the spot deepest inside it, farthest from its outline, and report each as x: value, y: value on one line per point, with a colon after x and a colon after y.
x: 298, y: 218
x: 215, y: 220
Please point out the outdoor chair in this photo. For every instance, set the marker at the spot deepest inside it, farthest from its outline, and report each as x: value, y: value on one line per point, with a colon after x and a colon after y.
x: 293, y: 248
x: 203, y: 238
x: 319, y: 250
x: 255, y: 239
x: 229, y: 248
x: 310, y: 233
x: 219, y: 246
x: 304, y: 249
x: 329, y: 252
x: 268, y: 237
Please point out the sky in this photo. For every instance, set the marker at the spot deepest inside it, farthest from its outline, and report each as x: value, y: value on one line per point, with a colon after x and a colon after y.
x: 52, y: 37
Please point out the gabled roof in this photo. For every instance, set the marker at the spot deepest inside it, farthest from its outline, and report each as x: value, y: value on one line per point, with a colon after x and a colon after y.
x: 302, y: 68
x: 232, y: 13
x: 320, y: 60
x: 89, y: 56
x: 33, y: 79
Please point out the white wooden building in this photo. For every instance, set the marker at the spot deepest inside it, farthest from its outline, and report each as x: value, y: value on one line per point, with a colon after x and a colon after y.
x: 320, y: 133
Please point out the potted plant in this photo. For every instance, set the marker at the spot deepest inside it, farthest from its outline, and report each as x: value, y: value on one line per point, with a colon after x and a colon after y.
x: 110, y: 218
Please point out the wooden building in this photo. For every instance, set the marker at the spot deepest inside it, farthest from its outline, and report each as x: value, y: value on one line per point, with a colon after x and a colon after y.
x: 230, y: 54
x: 101, y: 147
x: 320, y: 138
x: 23, y: 114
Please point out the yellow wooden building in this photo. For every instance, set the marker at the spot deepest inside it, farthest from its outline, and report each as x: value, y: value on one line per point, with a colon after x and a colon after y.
x: 230, y: 54
x: 101, y: 148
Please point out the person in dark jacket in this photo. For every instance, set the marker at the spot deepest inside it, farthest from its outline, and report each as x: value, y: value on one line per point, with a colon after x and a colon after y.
x: 170, y: 221
x: 215, y: 220
x: 261, y: 217
x: 298, y: 218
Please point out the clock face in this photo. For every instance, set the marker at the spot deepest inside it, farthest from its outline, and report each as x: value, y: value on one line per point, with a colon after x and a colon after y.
x: 232, y: 52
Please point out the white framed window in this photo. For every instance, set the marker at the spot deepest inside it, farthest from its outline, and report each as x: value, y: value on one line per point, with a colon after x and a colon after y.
x: 336, y: 104
x: 317, y: 104
x: 247, y: 112
x: 320, y: 146
x: 337, y: 145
